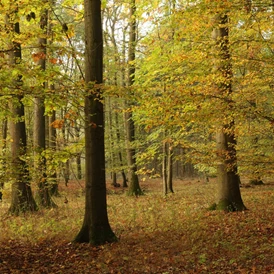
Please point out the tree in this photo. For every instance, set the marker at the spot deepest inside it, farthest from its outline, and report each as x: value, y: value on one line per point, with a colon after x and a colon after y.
x: 133, y: 180
x: 4, y: 154
x: 39, y: 138
x: 21, y: 198
x: 52, y: 147
x: 95, y: 229
x: 227, y: 170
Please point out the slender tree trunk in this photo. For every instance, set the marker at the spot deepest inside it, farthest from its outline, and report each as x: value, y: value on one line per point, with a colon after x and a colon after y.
x: 120, y: 157
x: 52, y: 145
x: 164, y: 168
x: 78, y: 157
x: 228, y: 177
x: 4, y: 154
x: 65, y: 135
x: 39, y: 138
x: 95, y: 229
x: 133, y: 180
x: 169, y: 169
x: 111, y: 146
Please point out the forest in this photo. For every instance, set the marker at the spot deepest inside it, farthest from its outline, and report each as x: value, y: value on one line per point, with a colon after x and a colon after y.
x: 136, y: 136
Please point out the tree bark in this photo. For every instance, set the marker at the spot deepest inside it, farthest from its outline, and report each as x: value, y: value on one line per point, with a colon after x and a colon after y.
x: 133, y: 180
x: 95, y: 229
x: 21, y: 197
x: 39, y: 138
x: 52, y: 145
x: 228, y: 177
x: 4, y: 154
x: 169, y: 168
x: 78, y: 156
x: 164, y: 168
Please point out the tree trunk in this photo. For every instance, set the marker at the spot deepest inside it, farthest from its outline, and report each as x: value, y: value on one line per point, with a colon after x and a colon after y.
x: 120, y: 157
x: 228, y: 177
x: 133, y: 180
x: 52, y: 145
x: 164, y: 168
x: 169, y: 169
x: 21, y: 196
x: 95, y: 229
x: 39, y: 138
x: 4, y: 147
x: 78, y: 156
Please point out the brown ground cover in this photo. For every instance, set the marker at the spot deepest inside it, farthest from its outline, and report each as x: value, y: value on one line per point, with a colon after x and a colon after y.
x: 173, y: 234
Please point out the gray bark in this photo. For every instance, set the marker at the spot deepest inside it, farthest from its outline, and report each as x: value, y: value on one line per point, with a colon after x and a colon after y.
x: 96, y: 229
x: 228, y: 177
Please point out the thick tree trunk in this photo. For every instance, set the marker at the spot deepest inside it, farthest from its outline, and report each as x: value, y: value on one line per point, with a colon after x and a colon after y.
x: 228, y: 177
x: 22, y: 199
x: 95, y: 229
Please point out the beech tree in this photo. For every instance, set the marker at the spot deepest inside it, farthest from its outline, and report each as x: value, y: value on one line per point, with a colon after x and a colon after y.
x: 96, y: 228
x: 227, y: 170
x: 133, y: 180
x: 21, y: 198
x: 39, y: 139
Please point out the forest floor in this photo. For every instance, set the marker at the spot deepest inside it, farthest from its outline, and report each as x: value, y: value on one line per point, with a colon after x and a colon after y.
x: 165, y: 235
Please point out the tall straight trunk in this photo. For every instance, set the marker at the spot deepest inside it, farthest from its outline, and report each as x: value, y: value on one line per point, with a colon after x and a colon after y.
x: 169, y: 168
x: 21, y: 197
x: 4, y: 147
x: 120, y: 157
x: 78, y: 156
x: 113, y: 159
x: 96, y: 229
x: 164, y: 168
x: 39, y: 134
x: 53, y: 185
x: 66, y: 165
x: 133, y: 180
x: 228, y: 177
